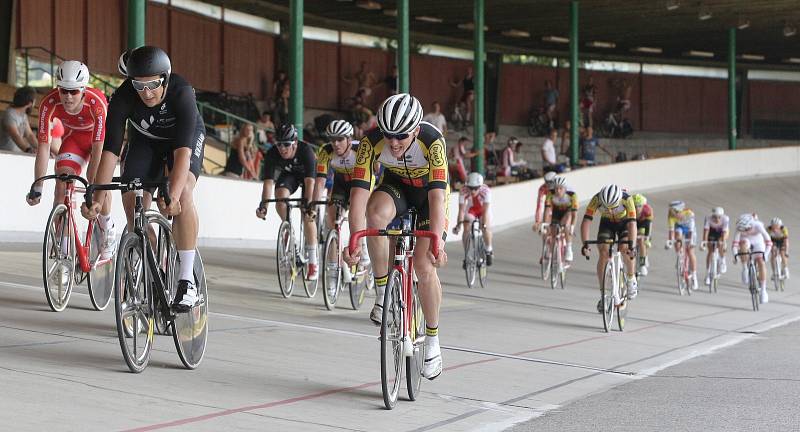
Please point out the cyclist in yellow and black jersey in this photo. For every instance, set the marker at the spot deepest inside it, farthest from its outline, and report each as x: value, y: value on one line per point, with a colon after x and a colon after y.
x: 414, y: 159
x: 617, y: 222
x: 339, y: 156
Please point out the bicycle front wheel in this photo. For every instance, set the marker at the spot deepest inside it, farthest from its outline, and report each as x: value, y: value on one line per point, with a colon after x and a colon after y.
x: 753, y: 287
x: 483, y: 269
x: 133, y: 304
x: 331, y: 270
x: 190, y: 329
x: 470, y: 260
x: 607, y: 297
x: 622, y: 309
x: 284, y: 255
x: 544, y: 264
x: 555, y: 264
x: 101, y: 274
x: 58, y: 258
x: 391, y: 337
x: 681, y: 281
x: 415, y: 363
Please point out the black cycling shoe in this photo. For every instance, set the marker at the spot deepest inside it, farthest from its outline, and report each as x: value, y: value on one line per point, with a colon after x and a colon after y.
x: 186, y: 297
x: 489, y: 259
x: 464, y: 265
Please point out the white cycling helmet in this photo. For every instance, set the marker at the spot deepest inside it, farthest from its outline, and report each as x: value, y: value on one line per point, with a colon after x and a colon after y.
x: 559, y: 181
x: 72, y: 74
x: 610, y: 195
x: 474, y: 180
x: 339, y: 128
x: 399, y: 114
x: 549, y: 176
x: 776, y: 221
x: 677, y: 205
x: 745, y: 222
x: 717, y: 211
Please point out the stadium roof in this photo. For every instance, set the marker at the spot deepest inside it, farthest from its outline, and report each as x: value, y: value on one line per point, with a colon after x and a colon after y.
x: 685, y: 31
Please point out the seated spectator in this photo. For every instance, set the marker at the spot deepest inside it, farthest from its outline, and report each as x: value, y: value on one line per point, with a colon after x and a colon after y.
x: 508, y: 160
x: 15, y: 129
x: 589, y: 145
x: 587, y: 103
x: 363, y: 118
x: 436, y: 118
x: 241, y: 159
x: 549, y: 159
x: 456, y: 157
x: 489, y: 154
x: 265, y: 127
x: 279, y: 84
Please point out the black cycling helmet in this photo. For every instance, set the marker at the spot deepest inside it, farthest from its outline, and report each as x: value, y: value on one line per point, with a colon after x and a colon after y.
x: 149, y: 61
x: 286, y: 133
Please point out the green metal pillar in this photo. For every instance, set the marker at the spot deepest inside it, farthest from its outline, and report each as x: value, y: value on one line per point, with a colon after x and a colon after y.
x: 480, y: 54
x: 136, y: 19
x: 573, y: 82
x: 402, y: 46
x: 296, y: 65
x: 732, y: 88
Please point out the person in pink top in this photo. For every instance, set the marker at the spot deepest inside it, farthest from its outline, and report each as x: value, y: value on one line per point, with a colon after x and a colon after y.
x: 473, y: 203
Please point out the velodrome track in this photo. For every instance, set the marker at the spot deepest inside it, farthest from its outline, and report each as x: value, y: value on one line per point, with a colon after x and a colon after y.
x: 513, y: 351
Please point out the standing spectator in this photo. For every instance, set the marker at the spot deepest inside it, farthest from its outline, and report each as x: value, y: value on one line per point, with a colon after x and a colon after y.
x: 281, y: 81
x: 364, y: 79
x: 392, y: 80
x: 550, y: 101
x: 436, y: 118
x: 589, y: 145
x: 468, y: 93
x: 282, y: 106
x: 242, y: 154
x: 587, y: 104
x: 489, y: 155
x: 457, y: 155
x: 549, y: 160
x: 15, y: 129
x: 265, y: 127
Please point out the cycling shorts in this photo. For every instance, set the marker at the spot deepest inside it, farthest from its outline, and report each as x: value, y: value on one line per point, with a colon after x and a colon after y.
x: 644, y: 227
x: 75, y: 151
x: 714, y: 235
x: 686, y: 232
x: 610, y: 230
x: 145, y: 158
x: 407, y: 196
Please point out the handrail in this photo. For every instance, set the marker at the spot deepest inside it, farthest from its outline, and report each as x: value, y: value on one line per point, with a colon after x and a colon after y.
x: 25, y: 51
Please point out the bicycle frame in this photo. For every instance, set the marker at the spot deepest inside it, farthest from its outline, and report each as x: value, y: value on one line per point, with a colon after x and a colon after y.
x: 291, y: 203
x: 753, y: 274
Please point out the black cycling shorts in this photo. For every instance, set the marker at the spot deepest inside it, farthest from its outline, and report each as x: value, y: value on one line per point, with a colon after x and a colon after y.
x: 407, y: 196
x: 778, y: 244
x: 558, y: 215
x: 610, y: 230
x: 644, y: 227
x: 341, y: 192
x: 714, y: 235
x: 145, y: 158
x: 290, y: 180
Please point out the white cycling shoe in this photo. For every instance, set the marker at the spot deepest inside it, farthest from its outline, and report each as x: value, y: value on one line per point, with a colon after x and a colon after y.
x: 763, y: 296
x: 568, y: 254
x: 693, y: 277
x: 109, y: 242
x: 633, y: 288
x: 723, y: 268
x: 643, y: 270
x: 432, y: 367
x: 376, y: 316
x: 708, y: 280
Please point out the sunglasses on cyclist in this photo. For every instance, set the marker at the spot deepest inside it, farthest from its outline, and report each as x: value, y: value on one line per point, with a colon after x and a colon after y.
x: 284, y: 143
x: 398, y: 137
x: 73, y: 92
x: 149, y: 85
x: 473, y: 188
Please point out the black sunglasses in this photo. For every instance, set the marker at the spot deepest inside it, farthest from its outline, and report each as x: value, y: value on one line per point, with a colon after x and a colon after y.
x: 398, y: 137
x: 149, y: 85
x: 284, y: 143
x: 73, y: 92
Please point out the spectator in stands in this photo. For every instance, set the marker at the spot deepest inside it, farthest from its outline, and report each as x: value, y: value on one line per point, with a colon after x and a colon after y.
x: 489, y: 154
x: 549, y: 160
x: 281, y: 82
x: 265, y: 127
x: 15, y: 129
x: 436, y: 118
x: 589, y: 145
x: 587, y: 104
x: 565, y: 138
x: 508, y: 160
x: 282, y: 106
x: 468, y: 93
x: 391, y: 81
x: 365, y: 80
x: 456, y: 158
x: 363, y: 118
x: 550, y: 101
x: 241, y: 159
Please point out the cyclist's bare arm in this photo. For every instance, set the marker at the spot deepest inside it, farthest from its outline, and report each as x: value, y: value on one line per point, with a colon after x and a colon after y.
x: 309, y: 189
x: 267, y: 190
x: 705, y: 234
x: 357, y: 218
x: 632, y: 231
x: 179, y: 172
x: 105, y: 172
x: 585, y: 225
x: 94, y: 162
x: 437, y: 206
x: 319, y: 188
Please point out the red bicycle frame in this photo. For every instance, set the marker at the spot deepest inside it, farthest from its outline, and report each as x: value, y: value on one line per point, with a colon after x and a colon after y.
x: 402, y: 255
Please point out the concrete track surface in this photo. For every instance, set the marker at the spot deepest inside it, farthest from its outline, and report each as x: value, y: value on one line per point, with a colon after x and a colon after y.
x: 513, y: 351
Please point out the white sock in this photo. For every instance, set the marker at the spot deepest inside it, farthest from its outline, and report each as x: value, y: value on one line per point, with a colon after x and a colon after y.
x: 489, y: 249
x: 187, y: 265
x: 103, y: 220
x: 311, y: 251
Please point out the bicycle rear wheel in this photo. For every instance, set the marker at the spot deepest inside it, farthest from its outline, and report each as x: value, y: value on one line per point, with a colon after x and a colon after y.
x: 190, y: 329
x: 100, y: 279
x: 471, y: 260
x: 753, y: 287
x: 133, y: 304
x: 679, y: 268
x: 58, y: 259
x: 545, y: 267
x: 284, y: 255
x: 392, y: 340
x: 607, y: 297
x: 555, y: 264
x: 622, y: 309
x: 331, y: 270
x: 417, y: 360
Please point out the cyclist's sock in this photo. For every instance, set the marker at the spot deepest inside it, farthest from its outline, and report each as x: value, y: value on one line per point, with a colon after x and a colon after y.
x: 103, y: 220
x: 380, y: 288
x: 187, y: 265
x: 431, y: 331
x: 489, y: 249
x: 311, y: 251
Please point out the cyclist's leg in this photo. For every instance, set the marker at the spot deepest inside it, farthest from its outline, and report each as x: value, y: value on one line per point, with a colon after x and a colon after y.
x: 486, y: 221
x: 285, y: 186
x: 139, y: 160
x: 566, y: 223
x: 690, y: 243
x: 70, y: 160
x: 466, y: 228
x: 606, y: 231
x: 384, y: 204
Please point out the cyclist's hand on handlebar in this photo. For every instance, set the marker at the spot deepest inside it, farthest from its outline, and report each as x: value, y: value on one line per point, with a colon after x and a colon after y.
x: 311, y: 213
x: 543, y: 229
x: 703, y: 246
x: 648, y: 243
x: 631, y: 252
x: 261, y: 212
x: 535, y: 227
x: 33, y: 198
x: 668, y: 244
x: 91, y: 212
x: 457, y: 229
x: 173, y: 209
x: 585, y: 251
x: 351, y: 257
x: 440, y: 259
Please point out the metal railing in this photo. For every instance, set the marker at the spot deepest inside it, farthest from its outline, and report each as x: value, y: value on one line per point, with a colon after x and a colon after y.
x: 53, y: 58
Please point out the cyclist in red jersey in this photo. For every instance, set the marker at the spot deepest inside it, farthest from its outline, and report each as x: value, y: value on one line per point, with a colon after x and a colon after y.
x: 82, y: 112
x: 546, y: 187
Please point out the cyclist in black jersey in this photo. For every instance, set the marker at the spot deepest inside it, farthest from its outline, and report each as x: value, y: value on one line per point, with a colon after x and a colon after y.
x: 290, y: 164
x: 166, y: 130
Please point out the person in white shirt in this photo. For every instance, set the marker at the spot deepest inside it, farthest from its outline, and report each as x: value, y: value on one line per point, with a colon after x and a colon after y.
x: 715, y: 229
x: 436, y: 118
x: 752, y: 236
x: 549, y: 160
